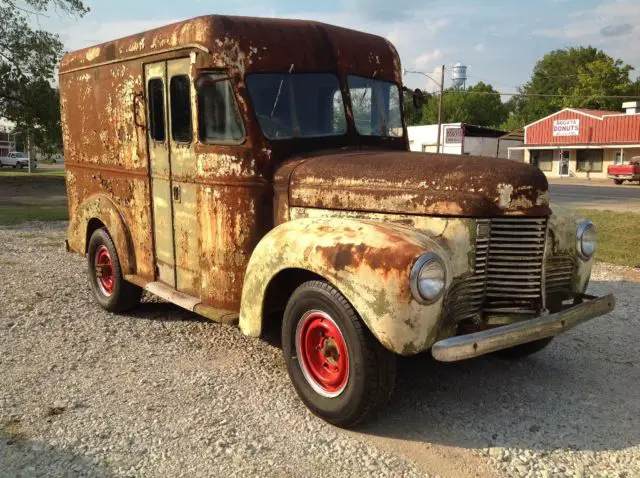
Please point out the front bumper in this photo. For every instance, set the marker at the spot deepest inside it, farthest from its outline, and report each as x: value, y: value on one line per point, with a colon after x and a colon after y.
x: 480, y: 343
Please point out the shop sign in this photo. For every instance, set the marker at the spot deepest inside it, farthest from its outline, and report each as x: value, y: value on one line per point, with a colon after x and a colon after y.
x: 568, y: 127
x: 453, y: 135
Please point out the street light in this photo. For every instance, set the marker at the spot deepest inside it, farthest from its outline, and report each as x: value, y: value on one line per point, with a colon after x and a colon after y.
x: 441, y: 85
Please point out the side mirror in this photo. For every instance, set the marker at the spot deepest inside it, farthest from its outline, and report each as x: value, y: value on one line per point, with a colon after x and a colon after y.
x: 418, y: 98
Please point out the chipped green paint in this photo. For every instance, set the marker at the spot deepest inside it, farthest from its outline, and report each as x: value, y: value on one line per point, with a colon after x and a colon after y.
x: 456, y: 235
x: 368, y: 261
x: 563, y: 224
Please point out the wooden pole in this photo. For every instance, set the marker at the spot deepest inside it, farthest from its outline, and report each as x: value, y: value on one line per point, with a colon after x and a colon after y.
x: 440, y: 108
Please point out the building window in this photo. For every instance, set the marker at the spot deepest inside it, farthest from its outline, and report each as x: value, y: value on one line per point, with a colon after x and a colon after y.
x: 589, y: 160
x: 156, y: 109
x: 618, y: 158
x: 218, y: 117
x: 542, y: 159
x: 180, y: 91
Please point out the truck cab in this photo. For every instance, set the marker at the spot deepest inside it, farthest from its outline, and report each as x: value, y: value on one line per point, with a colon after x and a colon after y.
x: 628, y: 170
x: 257, y: 172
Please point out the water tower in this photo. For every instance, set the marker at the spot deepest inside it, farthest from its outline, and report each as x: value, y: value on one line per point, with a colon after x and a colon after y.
x: 459, y: 75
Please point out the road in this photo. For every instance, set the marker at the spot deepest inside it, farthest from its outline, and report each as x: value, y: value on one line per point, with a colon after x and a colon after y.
x: 51, y: 167
x: 613, y: 198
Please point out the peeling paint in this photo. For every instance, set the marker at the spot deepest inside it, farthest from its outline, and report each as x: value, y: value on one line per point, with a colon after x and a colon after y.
x: 368, y: 261
x: 357, y: 210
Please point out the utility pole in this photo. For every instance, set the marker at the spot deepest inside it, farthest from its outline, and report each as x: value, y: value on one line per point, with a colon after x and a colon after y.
x: 440, y: 108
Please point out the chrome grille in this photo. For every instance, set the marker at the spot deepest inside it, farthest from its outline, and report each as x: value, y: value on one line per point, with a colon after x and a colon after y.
x: 514, y: 264
x: 558, y: 274
x: 508, y: 270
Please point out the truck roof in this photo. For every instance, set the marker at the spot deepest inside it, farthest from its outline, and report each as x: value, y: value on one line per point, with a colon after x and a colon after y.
x: 251, y: 44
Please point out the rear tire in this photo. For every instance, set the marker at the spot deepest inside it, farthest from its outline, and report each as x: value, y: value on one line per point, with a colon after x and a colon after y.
x: 524, y: 350
x: 618, y: 181
x: 110, y: 290
x: 338, y: 368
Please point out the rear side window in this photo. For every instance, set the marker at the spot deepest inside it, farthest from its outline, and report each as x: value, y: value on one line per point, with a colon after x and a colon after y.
x: 218, y: 117
x: 156, y: 109
x: 180, y: 94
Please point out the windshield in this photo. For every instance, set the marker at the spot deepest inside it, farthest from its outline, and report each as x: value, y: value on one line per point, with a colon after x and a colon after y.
x: 376, y: 106
x: 298, y: 105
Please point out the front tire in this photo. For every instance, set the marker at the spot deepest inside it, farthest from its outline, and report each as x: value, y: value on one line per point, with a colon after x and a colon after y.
x: 338, y: 368
x: 110, y: 290
x: 618, y: 181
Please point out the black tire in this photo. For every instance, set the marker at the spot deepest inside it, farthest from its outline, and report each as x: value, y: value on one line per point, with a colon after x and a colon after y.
x: 524, y: 350
x: 124, y: 295
x: 618, y: 181
x: 371, y: 368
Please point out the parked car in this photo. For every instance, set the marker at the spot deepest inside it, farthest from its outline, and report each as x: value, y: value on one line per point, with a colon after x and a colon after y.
x: 627, y: 171
x: 16, y: 159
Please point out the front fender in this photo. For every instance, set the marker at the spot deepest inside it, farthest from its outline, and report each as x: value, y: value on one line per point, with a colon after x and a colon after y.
x: 563, y: 224
x: 368, y: 261
x: 102, y: 208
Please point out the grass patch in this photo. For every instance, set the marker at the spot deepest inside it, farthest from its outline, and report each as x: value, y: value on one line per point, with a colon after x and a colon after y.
x: 42, y: 173
x: 19, y: 214
x: 618, y: 236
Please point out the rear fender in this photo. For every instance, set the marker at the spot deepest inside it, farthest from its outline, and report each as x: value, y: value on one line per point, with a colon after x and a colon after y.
x: 368, y: 261
x: 102, y: 208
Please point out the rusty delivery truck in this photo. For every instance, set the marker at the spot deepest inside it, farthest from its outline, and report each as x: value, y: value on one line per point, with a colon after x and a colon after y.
x: 257, y: 172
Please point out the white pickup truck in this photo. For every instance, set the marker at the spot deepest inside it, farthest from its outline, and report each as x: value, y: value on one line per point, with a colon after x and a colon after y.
x: 15, y: 160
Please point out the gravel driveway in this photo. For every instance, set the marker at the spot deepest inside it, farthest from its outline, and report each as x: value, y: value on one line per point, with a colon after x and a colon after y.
x: 161, y: 392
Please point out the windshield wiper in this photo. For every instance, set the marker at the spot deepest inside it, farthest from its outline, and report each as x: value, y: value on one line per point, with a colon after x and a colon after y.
x: 275, y: 103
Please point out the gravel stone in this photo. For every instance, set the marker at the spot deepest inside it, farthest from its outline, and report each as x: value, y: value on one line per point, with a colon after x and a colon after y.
x: 163, y: 392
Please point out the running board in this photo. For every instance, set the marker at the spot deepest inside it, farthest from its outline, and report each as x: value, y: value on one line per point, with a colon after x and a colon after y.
x: 171, y: 295
x: 186, y: 301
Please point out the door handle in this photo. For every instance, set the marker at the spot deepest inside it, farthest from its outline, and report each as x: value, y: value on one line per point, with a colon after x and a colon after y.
x: 176, y: 193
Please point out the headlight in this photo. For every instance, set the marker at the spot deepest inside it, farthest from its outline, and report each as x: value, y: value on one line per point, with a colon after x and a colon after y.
x: 586, y: 240
x: 428, y: 278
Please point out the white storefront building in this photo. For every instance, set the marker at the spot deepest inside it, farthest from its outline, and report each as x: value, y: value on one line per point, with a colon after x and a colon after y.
x: 462, y: 138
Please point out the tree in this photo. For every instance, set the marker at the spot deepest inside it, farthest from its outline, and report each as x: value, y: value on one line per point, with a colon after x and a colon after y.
x: 579, y: 76
x: 28, y: 60
x: 479, y: 105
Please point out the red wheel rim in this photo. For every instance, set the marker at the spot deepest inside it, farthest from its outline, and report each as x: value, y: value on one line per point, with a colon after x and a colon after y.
x: 322, y: 353
x: 104, y: 270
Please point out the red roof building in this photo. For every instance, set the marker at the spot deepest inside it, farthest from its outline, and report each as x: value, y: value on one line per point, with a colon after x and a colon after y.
x: 583, y: 142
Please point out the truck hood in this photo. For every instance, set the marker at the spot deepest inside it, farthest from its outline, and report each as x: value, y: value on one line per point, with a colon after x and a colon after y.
x: 415, y: 183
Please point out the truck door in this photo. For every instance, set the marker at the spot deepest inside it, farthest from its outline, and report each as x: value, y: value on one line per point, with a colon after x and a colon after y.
x: 172, y: 168
x: 160, y: 172
x: 183, y: 175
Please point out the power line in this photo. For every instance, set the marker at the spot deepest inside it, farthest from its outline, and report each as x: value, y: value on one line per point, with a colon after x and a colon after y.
x: 540, y: 95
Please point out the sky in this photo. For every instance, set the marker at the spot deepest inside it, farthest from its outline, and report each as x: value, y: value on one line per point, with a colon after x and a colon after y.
x: 500, y: 40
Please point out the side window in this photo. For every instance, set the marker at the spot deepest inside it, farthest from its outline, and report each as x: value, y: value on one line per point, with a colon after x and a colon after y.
x: 156, y: 109
x: 180, y: 94
x: 218, y: 117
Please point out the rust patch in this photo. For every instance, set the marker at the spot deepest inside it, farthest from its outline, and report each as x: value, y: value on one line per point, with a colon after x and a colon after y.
x: 419, y: 183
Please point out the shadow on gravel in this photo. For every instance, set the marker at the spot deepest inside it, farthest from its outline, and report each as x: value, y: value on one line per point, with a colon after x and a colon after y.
x: 580, y: 393
x: 24, y: 458
x: 165, y: 312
